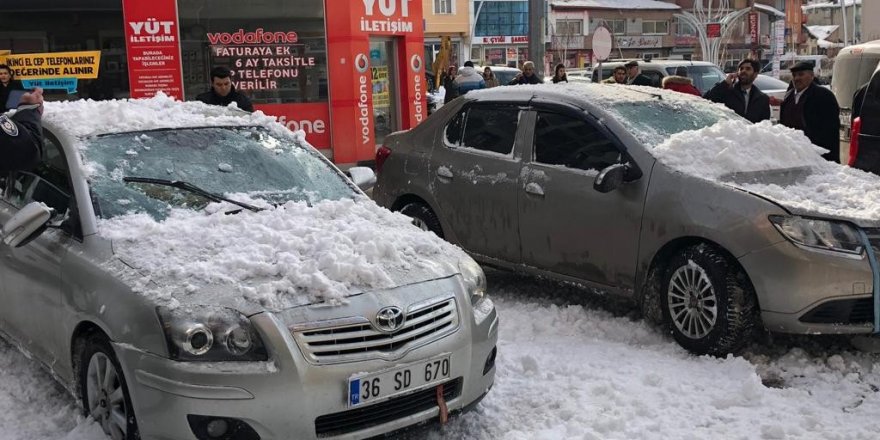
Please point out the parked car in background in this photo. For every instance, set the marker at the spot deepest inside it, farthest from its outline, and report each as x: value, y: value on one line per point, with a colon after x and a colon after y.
x: 504, y: 74
x: 702, y: 73
x: 853, y: 67
x: 194, y: 271
x: 775, y: 89
x: 653, y: 196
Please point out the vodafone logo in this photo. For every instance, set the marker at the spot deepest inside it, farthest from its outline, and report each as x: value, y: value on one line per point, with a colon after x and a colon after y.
x: 361, y: 63
x: 415, y: 63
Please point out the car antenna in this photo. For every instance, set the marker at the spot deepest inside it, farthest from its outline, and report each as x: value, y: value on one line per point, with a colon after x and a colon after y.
x: 655, y: 95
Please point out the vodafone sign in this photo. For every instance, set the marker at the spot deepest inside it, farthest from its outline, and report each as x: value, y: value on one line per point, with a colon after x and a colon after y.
x: 152, y: 40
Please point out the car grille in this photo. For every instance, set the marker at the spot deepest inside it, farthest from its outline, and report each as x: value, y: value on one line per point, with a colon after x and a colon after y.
x: 362, y: 418
x: 351, y: 342
x: 843, y: 311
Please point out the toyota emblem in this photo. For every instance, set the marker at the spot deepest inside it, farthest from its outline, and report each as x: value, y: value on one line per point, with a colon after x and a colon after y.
x: 389, y: 319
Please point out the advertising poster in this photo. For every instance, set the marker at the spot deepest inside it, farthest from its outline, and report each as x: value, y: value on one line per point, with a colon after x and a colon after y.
x: 57, y: 70
x: 152, y: 41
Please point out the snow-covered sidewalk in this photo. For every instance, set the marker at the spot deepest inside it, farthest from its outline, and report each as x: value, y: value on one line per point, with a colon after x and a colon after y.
x: 570, y: 369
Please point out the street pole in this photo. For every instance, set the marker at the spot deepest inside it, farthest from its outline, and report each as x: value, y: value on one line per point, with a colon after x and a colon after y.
x: 536, y: 35
x: 843, y: 13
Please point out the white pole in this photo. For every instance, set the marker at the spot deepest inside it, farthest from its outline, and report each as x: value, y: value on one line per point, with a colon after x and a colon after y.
x: 843, y: 11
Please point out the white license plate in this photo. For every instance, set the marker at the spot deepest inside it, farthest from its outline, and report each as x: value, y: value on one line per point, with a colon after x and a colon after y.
x: 384, y: 384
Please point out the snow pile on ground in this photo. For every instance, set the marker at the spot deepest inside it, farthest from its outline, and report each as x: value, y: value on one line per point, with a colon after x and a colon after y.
x: 720, y: 152
x: 280, y: 257
x: 85, y: 118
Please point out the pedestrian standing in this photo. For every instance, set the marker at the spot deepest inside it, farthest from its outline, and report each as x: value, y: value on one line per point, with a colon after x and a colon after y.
x: 8, y: 83
x: 468, y: 79
x: 739, y: 93
x: 527, y: 76
x: 812, y: 109
x: 449, y: 85
x: 680, y: 82
x: 223, y: 91
x: 618, y: 77
x: 634, y: 75
x: 21, y: 135
x: 489, y: 77
x: 559, y: 74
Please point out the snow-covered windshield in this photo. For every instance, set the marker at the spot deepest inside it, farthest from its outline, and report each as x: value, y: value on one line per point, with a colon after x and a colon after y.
x: 653, y: 122
x: 240, y: 162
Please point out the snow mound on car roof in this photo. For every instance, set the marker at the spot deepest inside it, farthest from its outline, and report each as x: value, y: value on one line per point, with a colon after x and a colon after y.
x: 280, y: 257
x: 730, y: 149
x: 85, y: 118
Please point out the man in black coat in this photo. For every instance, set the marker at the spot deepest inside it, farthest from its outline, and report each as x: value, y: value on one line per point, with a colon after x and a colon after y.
x: 21, y: 135
x: 527, y: 76
x: 634, y: 76
x: 739, y: 93
x: 223, y: 91
x: 813, y: 109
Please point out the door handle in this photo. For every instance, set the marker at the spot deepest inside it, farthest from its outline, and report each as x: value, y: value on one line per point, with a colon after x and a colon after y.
x: 534, y: 189
x: 444, y: 172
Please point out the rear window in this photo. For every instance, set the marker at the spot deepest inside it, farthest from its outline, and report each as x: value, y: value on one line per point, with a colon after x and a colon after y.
x: 850, y: 74
x: 704, y: 77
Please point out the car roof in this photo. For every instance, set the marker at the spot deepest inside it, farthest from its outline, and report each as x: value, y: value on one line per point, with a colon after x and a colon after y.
x: 658, y: 63
x: 500, y: 68
x: 579, y: 94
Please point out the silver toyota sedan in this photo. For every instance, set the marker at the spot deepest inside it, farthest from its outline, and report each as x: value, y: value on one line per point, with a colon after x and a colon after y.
x: 196, y: 272
x: 714, y: 226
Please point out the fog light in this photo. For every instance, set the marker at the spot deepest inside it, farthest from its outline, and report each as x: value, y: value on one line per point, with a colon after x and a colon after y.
x: 490, y: 361
x: 217, y: 428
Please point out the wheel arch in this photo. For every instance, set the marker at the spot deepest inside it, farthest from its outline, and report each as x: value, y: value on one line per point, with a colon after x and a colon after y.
x: 80, y: 334
x: 408, y: 198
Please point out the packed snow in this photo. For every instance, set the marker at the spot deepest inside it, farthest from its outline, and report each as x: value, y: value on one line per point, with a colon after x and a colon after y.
x: 280, y: 257
x: 577, y: 365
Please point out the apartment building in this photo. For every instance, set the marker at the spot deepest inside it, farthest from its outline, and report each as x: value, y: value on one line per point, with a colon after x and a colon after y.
x: 447, y: 18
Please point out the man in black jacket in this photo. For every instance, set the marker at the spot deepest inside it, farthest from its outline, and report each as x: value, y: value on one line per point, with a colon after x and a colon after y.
x: 223, y: 91
x: 739, y: 93
x: 634, y: 76
x: 813, y: 109
x: 21, y: 135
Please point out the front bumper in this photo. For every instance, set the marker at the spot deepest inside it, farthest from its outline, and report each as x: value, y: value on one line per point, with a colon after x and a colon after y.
x: 284, y: 397
x: 798, y: 289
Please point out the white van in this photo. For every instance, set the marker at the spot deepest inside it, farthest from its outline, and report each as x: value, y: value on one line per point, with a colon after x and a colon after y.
x: 853, y: 67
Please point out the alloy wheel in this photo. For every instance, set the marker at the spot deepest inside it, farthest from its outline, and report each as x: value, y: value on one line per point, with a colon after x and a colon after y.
x: 106, y: 400
x: 693, y: 306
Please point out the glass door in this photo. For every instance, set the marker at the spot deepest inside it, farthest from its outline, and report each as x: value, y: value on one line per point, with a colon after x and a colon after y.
x: 383, y: 68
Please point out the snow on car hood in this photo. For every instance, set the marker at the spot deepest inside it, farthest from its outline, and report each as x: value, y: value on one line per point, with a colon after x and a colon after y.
x: 278, y: 258
x: 777, y: 163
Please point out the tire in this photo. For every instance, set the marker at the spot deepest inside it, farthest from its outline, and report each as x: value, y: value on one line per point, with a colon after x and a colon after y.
x: 102, y: 401
x: 423, y: 217
x: 708, y: 302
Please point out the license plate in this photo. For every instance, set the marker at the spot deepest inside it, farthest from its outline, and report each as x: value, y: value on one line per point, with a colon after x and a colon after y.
x: 373, y: 387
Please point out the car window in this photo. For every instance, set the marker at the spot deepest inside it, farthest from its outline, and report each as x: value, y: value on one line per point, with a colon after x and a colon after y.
x: 703, y: 77
x: 764, y: 83
x: 48, y: 183
x: 454, y: 128
x: 655, y: 77
x: 491, y: 128
x: 572, y: 142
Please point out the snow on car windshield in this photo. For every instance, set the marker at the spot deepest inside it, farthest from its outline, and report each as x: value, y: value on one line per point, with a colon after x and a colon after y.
x: 220, y: 160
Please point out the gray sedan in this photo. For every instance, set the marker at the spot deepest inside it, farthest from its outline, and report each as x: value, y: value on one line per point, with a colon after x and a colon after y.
x: 195, y: 272
x: 569, y: 183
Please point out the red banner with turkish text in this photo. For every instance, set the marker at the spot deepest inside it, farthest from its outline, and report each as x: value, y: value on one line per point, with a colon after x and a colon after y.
x: 753, y: 28
x: 312, y: 118
x: 152, y: 41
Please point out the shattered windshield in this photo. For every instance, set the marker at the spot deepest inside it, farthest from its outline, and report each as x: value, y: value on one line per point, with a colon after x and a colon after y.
x: 652, y: 122
x: 239, y: 162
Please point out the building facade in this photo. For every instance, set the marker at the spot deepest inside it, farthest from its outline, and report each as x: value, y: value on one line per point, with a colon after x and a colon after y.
x: 447, y: 18
x: 870, y: 26
x: 500, y: 35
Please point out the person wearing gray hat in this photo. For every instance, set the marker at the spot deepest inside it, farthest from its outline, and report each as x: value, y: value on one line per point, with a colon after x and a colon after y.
x: 634, y: 76
x: 812, y: 109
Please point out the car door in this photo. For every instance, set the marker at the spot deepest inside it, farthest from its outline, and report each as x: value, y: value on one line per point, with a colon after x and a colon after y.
x: 474, y: 175
x: 31, y: 274
x: 566, y: 226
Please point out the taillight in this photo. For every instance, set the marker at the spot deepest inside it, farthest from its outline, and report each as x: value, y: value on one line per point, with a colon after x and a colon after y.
x: 854, y: 140
x: 381, y: 154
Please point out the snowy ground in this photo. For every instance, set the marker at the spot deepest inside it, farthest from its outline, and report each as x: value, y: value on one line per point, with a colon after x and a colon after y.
x: 571, y: 366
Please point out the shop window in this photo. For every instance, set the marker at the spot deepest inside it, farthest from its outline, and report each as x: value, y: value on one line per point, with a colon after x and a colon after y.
x: 287, y: 65
x: 501, y: 18
x: 444, y: 6
x: 652, y: 27
x: 491, y: 128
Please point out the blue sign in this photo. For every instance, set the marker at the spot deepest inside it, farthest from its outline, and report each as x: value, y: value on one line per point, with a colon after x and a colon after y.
x: 375, y: 54
x: 354, y: 392
x: 68, y: 84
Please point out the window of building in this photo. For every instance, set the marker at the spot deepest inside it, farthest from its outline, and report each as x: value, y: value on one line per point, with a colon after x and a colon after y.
x: 684, y: 28
x: 292, y: 69
x: 444, y: 6
x: 652, y: 27
x: 616, y: 27
x: 573, y: 143
x: 501, y: 18
x: 569, y: 27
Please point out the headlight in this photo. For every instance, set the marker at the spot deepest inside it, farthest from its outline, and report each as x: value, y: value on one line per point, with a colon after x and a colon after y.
x: 475, y: 282
x: 816, y: 234
x: 210, y: 334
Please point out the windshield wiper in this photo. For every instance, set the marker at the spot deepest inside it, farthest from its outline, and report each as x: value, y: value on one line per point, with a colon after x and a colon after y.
x: 186, y: 186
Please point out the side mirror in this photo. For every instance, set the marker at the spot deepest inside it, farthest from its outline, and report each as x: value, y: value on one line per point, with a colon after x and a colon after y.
x: 27, y: 224
x: 610, y: 178
x: 363, y: 177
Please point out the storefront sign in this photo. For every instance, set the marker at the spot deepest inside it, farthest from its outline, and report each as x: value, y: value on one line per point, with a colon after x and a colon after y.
x: 503, y: 40
x: 380, y: 86
x: 82, y: 65
x: 388, y: 17
x: 152, y: 41
x: 753, y: 28
x: 259, y: 60
x: 713, y: 30
x: 685, y: 40
x: 313, y: 119
x: 639, y: 42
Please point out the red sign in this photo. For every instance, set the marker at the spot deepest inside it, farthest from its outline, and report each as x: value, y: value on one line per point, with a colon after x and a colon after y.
x: 753, y: 28
x: 713, y: 30
x: 313, y: 119
x: 152, y: 41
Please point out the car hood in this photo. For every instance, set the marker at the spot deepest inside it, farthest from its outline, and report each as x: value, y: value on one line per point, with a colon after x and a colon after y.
x: 778, y: 164
x: 276, y: 259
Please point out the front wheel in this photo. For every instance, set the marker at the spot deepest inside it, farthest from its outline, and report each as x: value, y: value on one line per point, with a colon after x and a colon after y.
x: 423, y: 217
x: 104, y: 391
x: 707, y: 301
